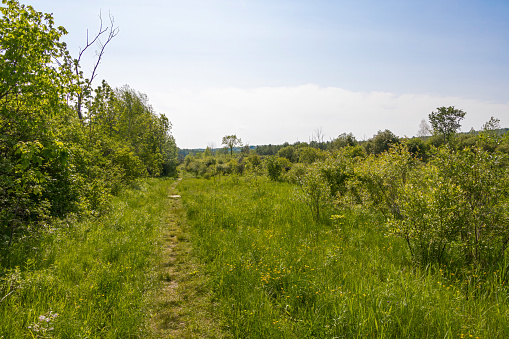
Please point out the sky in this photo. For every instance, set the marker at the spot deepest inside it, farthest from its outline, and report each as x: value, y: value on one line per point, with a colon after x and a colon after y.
x: 275, y: 71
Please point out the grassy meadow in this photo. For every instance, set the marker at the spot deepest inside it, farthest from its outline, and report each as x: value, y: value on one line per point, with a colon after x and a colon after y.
x: 87, y: 279
x: 278, y: 273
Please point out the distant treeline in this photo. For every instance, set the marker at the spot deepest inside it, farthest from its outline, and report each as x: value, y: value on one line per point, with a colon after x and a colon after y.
x: 376, y: 144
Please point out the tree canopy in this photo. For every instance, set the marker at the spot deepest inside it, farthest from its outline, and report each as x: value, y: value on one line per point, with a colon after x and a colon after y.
x: 231, y: 141
x: 52, y: 161
x: 446, y: 121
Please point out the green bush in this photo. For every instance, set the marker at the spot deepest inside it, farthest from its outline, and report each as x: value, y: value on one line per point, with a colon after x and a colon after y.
x: 276, y: 166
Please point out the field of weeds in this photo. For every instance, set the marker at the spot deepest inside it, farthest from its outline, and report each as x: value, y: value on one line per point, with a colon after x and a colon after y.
x: 277, y: 272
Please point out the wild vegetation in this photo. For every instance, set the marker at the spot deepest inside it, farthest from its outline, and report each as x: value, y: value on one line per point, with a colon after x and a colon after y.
x: 61, y: 155
x: 389, y: 238
x: 75, y: 255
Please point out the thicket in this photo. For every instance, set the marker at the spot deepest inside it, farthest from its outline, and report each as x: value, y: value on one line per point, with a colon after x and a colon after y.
x: 65, y: 149
x: 75, y: 252
x: 408, y: 242
x: 277, y: 272
x: 449, y: 203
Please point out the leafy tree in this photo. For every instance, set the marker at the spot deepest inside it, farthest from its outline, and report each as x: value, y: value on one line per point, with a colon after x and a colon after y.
x: 456, y: 203
x: 268, y: 149
x: 147, y: 133
x: 492, y: 125
x: 381, y: 142
x: 309, y: 155
x: 231, y: 141
x: 344, y: 140
x: 446, y: 121
x: 53, y: 162
x: 490, y: 137
x: 417, y: 147
x: 465, y: 140
x: 103, y: 115
x: 289, y: 153
x: 35, y: 173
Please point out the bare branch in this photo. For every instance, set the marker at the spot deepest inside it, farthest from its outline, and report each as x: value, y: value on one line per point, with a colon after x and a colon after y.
x: 112, y: 32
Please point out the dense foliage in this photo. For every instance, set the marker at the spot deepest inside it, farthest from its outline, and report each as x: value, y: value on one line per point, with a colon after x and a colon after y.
x: 391, y: 238
x: 52, y: 162
x: 75, y: 259
x: 449, y: 203
x: 277, y: 271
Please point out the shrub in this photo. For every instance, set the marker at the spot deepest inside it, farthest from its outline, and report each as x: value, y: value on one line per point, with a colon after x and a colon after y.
x: 296, y: 173
x: 275, y: 166
x: 456, y: 202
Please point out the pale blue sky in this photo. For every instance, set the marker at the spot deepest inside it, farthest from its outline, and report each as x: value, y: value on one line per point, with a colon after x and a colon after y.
x: 275, y: 71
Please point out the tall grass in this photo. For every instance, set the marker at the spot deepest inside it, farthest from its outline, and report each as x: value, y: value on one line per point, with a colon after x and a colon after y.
x: 279, y: 274
x: 86, y: 279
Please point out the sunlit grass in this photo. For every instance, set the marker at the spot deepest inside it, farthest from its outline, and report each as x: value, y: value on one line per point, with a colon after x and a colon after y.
x: 279, y: 274
x: 86, y: 279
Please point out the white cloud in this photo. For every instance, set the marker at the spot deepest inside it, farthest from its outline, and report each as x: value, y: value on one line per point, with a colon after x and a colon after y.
x: 278, y: 114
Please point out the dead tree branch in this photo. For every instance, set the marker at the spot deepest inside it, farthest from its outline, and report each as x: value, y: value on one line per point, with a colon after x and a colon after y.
x: 85, y: 85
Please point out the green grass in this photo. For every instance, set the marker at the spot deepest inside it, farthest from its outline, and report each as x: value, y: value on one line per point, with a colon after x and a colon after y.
x: 182, y: 305
x: 278, y: 274
x: 87, y: 279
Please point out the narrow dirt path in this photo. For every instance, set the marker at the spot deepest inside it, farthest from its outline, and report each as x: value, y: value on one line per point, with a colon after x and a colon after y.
x: 182, y: 307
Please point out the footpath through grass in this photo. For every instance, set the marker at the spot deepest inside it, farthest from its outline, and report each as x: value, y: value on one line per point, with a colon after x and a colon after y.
x: 182, y: 304
x: 106, y: 277
x: 278, y: 274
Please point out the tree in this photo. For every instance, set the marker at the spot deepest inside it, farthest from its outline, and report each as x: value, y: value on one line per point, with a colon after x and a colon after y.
x: 417, y: 147
x: 489, y: 137
x: 289, y: 153
x: 231, y: 141
x: 276, y: 166
x: 52, y: 160
x: 492, y: 125
x: 85, y: 85
x: 446, y: 121
x: 35, y: 77
x: 381, y: 142
x: 309, y: 155
x: 344, y: 140
x: 424, y: 129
